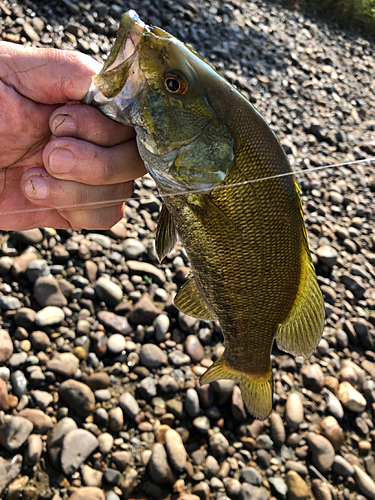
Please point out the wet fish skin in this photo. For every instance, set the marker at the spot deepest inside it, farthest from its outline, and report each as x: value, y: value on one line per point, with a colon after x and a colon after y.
x: 247, y: 244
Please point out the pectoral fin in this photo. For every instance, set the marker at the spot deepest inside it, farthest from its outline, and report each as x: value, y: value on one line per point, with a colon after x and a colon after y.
x: 166, y: 236
x: 257, y: 390
x: 300, y: 333
x: 189, y: 300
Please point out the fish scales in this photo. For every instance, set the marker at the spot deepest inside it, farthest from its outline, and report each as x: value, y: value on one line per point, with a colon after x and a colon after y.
x: 251, y: 266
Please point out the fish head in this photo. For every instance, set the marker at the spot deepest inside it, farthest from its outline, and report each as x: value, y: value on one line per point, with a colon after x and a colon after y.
x: 160, y: 86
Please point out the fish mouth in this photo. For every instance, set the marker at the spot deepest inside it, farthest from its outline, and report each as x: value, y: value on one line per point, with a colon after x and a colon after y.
x: 120, y: 79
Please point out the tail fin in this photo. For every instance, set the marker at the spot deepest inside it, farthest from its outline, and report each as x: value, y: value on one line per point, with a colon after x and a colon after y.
x: 257, y: 390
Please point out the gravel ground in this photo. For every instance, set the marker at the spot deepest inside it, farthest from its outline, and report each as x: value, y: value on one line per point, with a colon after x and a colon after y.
x: 99, y: 392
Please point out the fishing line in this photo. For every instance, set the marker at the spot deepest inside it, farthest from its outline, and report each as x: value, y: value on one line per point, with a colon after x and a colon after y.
x: 192, y: 191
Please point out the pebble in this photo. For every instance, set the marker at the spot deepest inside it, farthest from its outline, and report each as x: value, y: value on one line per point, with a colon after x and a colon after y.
x: 39, y: 340
x: 15, y: 432
x: 116, y: 419
x: 294, y: 412
x: 98, y: 380
x: 321, y: 490
x: 114, y: 323
x: 144, y: 312
x: 175, y: 450
x: 158, y: 466
x: 10, y: 303
x: 211, y: 467
x: 108, y: 291
x: 238, y: 406
x: 17, y: 359
x: 334, y: 407
x: 9, y: 470
x: 218, y: 445
x: 202, y: 424
x: 47, y: 292
x: 6, y: 343
x: 323, y: 453
x: 42, y: 423
x: 91, y: 477
x: 161, y: 326
x: 342, y: 467
x: 78, y: 396
x: 49, y: 316
x: 145, y: 269
x: 77, y: 446
x: 278, y: 433
x: 278, y: 487
x: 64, y: 364
x: 331, y: 429
x: 327, y: 255
x: 87, y: 493
x: 192, y: 403
x: 129, y: 405
x: 34, y: 449
x: 178, y: 358
x: 19, y: 383
x: 36, y: 269
x: 251, y: 475
x: 116, y: 343
x: 364, y: 482
x: 313, y: 377
x: 55, y: 438
x: 4, y: 402
x: 106, y: 441
x: 152, y: 356
x: 250, y: 492
x: 121, y: 459
x: 133, y: 249
x: 194, y: 349
x: 351, y: 398
x: 297, y: 487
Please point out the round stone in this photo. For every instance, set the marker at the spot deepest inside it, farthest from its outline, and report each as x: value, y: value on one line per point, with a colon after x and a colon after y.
x: 152, y: 356
x: 116, y: 343
x: 294, y: 412
x: 49, y: 316
x: 108, y: 291
x: 323, y: 453
x: 78, y: 396
x: 77, y: 446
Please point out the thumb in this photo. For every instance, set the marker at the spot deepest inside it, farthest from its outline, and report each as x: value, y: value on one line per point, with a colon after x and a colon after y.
x: 48, y: 76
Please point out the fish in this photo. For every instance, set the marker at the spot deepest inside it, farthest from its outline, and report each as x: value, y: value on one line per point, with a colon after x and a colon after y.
x: 206, y: 146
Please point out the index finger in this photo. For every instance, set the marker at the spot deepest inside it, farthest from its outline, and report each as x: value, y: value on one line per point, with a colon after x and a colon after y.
x: 89, y: 124
x: 47, y: 76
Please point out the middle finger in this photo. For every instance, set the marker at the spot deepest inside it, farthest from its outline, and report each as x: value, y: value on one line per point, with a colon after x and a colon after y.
x: 75, y: 160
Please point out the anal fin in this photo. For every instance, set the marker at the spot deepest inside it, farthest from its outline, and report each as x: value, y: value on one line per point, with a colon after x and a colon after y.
x: 166, y: 237
x: 190, y: 301
x: 257, y: 390
x: 300, y: 333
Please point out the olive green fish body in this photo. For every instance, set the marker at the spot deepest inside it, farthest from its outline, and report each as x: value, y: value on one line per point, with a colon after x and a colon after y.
x: 208, y: 150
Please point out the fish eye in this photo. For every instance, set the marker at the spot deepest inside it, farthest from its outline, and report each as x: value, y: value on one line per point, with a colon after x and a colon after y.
x: 175, y: 84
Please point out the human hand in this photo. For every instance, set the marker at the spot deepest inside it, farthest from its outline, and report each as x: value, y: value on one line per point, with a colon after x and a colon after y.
x: 34, y: 130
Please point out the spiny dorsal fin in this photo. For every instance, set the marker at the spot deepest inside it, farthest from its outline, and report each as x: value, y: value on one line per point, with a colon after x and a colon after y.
x: 189, y: 300
x: 166, y: 236
x: 300, y: 333
x: 257, y: 390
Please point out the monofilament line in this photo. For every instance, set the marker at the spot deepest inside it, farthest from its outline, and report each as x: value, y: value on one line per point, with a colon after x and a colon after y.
x: 193, y: 191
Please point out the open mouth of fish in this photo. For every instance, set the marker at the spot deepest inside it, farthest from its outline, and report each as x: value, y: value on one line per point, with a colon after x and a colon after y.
x: 120, y: 79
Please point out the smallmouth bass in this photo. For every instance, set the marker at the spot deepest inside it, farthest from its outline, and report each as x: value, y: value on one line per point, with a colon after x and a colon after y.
x: 200, y: 139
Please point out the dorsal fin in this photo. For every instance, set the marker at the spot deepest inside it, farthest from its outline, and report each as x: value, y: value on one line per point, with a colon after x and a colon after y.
x: 166, y: 237
x: 190, y: 301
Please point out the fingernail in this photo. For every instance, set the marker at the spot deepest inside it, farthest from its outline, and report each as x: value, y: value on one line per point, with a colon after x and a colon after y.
x: 61, y: 161
x: 63, y: 125
x: 36, y: 188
